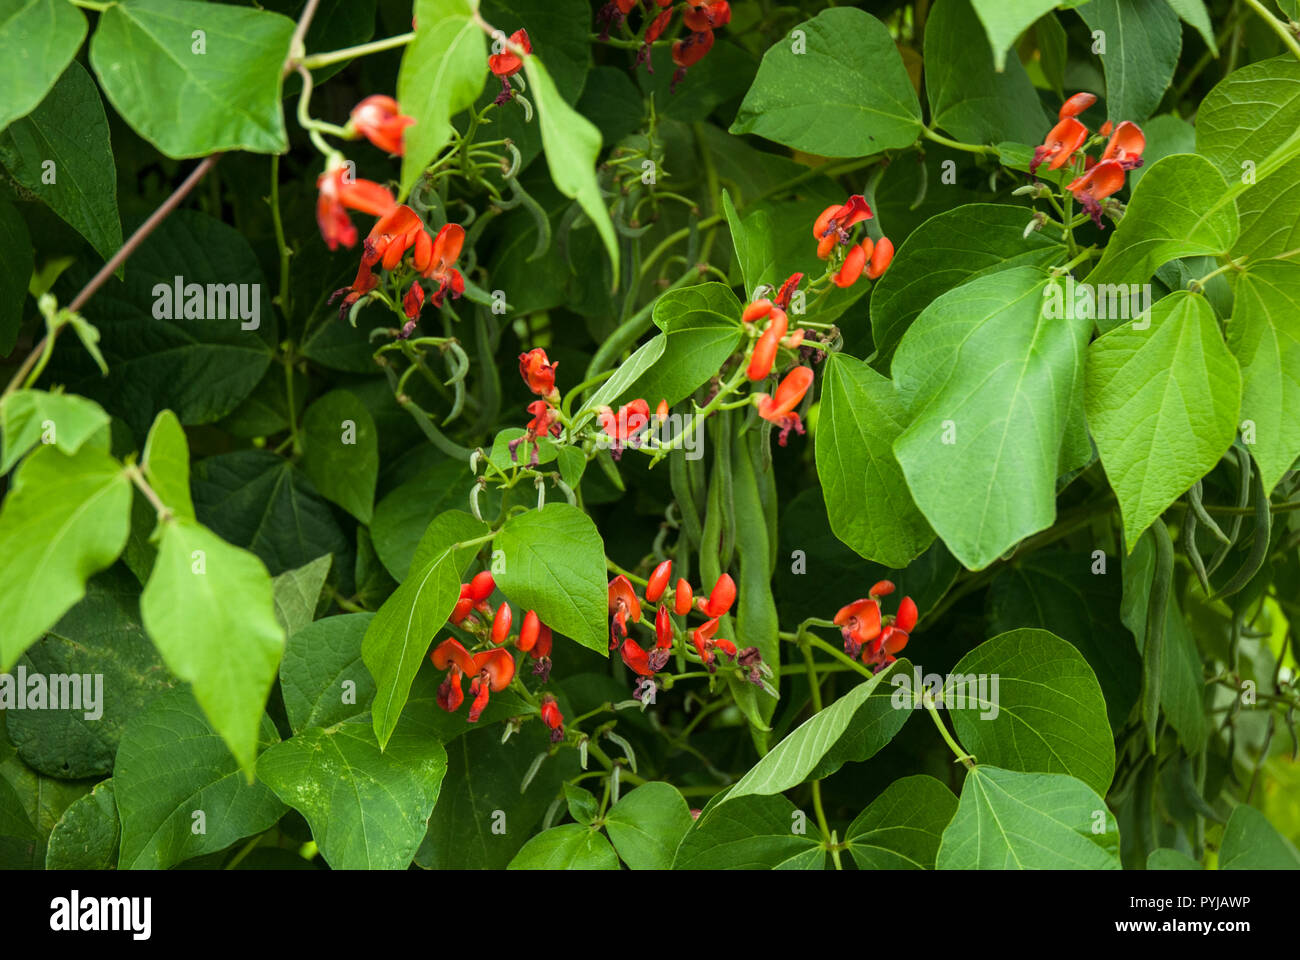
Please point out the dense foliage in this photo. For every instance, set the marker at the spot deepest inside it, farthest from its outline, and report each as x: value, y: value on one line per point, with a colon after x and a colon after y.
x: 542, y: 433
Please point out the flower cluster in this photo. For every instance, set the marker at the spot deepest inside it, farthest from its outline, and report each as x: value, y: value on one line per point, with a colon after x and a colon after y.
x: 493, y: 668
x: 873, y: 637
x: 775, y: 334
x: 507, y: 63
x: 698, y: 19
x: 1068, y: 140
x: 834, y: 229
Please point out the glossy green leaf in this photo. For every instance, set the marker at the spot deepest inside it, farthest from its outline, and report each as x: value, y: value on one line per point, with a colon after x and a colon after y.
x: 178, y: 90
x: 1029, y: 821
x: 1250, y: 842
x: 969, y: 98
x: 402, y: 516
x: 554, y: 563
x: 752, y: 833
x: 166, y: 463
x: 296, y: 593
x: 28, y: 417
x: 1142, y: 41
x: 1178, y: 210
x: 1004, y: 22
x: 64, y: 519
x: 581, y: 803
x: 61, y: 153
x: 647, y: 825
x: 1152, y: 443
x: 1166, y: 859
x: 993, y: 379
x: 834, y: 86
x: 1264, y: 336
x: 442, y: 72
x: 38, y: 38
x: 86, y: 836
x: 228, y: 651
x: 944, y: 252
x: 1046, y: 713
x: 179, y: 790
x: 398, y: 638
x: 570, y: 846
x: 341, y: 452
x: 902, y: 828
x: 1195, y: 15
x: 322, y: 675
x: 867, y: 500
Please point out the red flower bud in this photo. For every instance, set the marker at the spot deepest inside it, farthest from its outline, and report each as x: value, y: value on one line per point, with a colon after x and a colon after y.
x: 529, y: 631
x: 905, y: 619
x: 501, y: 624
x: 538, y: 372
x: 552, y: 717
x: 663, y: 629
x: 658, y: 582
x: 881, y: 258
x: 682, y: 598
x: 722, y: 597
x: 1076, y: 105
x: 481, y: 587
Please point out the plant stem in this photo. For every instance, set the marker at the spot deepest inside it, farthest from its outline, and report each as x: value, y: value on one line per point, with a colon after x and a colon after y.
x: 928, y: 702
x: 957, y: 144
x: 361, y: 50
x: 1277, y: 26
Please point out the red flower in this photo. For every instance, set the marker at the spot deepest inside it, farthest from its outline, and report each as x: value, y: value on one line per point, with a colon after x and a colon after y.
x: 472, y: 594
x: 552, y: 717
x: 637, y: 660
x: 1096, y: 185
x: 881, y: 588
x: 541, y: 652
x: 528, y: 632
x: 881, y: 257
x: 663, y: 629
x: 789, y: 393
x: 756, y: 310
x: 836, y: 222
x: 859, y: 624
x: 413, y: 302
x: 1076, y: 105
x: 501, y: 624
x: 623, y: 606
x: 853, y: 264
x: 444, y: 253
x: 538, y: 372
x: 379, y: 119
x: 721, y: 599
x: 451, y: 656
x: 508, y: 63
x: 657, y: 26
x: 893, y: 638
x: 707, y: 16
x: 623, y: 427
x: 391, y: 236
x: 493, y: 671
x: 682, y: 598
x: 1060, y: 145
x: 687, y: 52
x: 760, y: 364
x: 658, y: 582
x: 338, y: 194
x: 543, y: 421
x: 705, y: 643
x: 787, y: 290
x: 1126, y: 145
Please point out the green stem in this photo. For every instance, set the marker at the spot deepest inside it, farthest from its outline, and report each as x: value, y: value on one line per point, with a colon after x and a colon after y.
x: 928, y: 702
x: 361, y: 50
x: 957, y: 144
x: 1277, y: 26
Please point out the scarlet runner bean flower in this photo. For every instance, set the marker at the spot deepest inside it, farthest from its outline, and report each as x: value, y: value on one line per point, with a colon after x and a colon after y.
x: 529, y: 631
x: 413, y: 302
x: 702, y: 638
x: 1098, y: 183
x: 340, y: 193
x: 779, y: 409
x: 835, y: 224
x: 541, y: 652
x: 380, y: 120
x: 493, y: 671
x: 658, y: 581
x: 473, y: 594
x: 787, y: 290
x: 1126, y: 145
x: 539, y: 373
x: 624, y: 427
x: 720, y: 599
x: 760, y: 364
x: 506, y: 64
x: 653, y: 32
x: 854, y: 262
x: 1060, y: 145
x: 874, y: 638
x: 1075, y: 105
x: 552, y: 717
x: 687, y: 52
x: 623, y: 606
x: 452, y: 657
x: 881, y: 257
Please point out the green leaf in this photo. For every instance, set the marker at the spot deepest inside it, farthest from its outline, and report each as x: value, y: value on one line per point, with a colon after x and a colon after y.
x: 1246, y: 127
x: 571, y: 846
x: 993, y: 376
x: 1166, y: 859
x: 101, y: 637
x: 1004, y: 22
x: 16, y: 262
x: 1250, y: 842
x: 753, y: 833
x: 482, y: 817
x: 835, y: 86
x: 296, y: 594
x: 647, y: 825
x: 70, y: 131
x: 264, y: 503
x: 173, y: 766
x: 166, y: 464
x: 322, y: 675
x: 178, y: 91
x: 867, y: 500
x: 1062, y: 592
x: 1152, y: 444
x: 582, y: 803
x: 21, y: 845
x: 200, y: 363
x: 1264, y: 336
x: 1179, y: 209
x: 341, y: 452
x: 572, y: 145
x: 30, y: 805
x: 1046, y: 713
x: 442, y: 72
x: 1142, y: 42
x: 554, y: 563
x: 1028, y: 821
x: 1195, y: 15
x: 1166, y: 135
x: 970, y: 241
x: 968, y: 97
x: 368, y: 807
x: 38, y: 38
x: 902, y: 828
x: 227, y: 650
x: 28, y: 417
x: 853, y: 728
x: 401, y: 518
x: 400, y: 634
x: 65, y: 519
x: 86, y: 836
